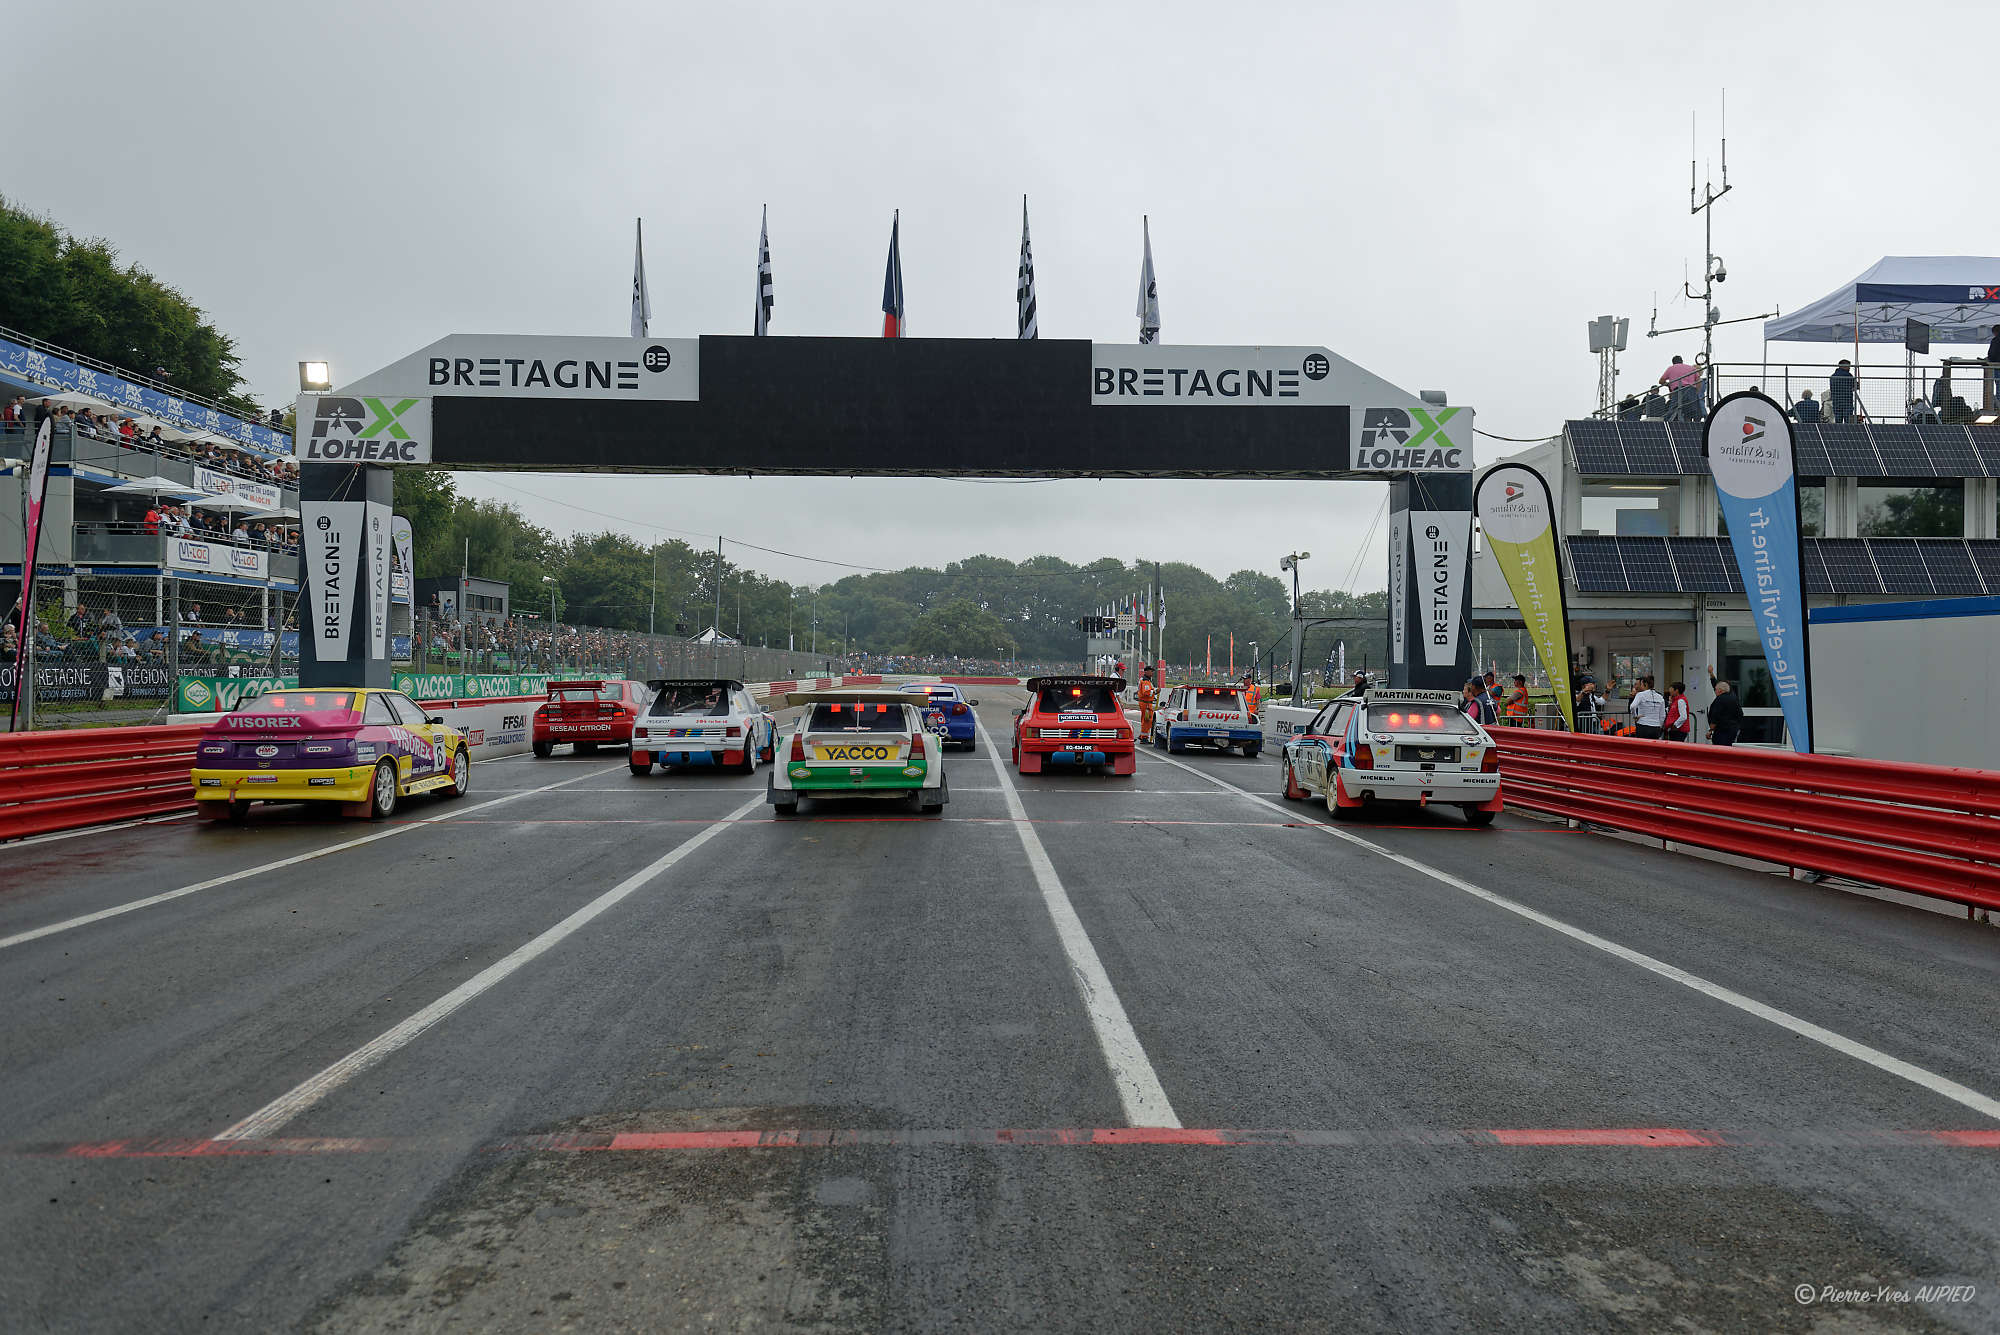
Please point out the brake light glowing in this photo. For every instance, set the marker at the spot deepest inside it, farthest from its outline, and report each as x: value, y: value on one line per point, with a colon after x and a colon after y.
x: 1395, y: 720
x: 1435, y: 720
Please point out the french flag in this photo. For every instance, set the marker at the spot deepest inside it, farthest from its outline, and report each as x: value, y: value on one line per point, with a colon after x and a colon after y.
x: 892, y: 282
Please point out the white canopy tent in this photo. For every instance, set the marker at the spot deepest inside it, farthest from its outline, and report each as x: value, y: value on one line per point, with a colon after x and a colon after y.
x: 1958, y: 296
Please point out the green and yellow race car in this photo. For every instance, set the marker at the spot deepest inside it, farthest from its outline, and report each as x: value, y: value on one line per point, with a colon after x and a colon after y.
x: 858, y: 744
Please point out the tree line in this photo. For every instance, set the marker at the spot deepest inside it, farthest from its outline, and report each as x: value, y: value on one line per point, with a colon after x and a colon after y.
x: 982, y: 607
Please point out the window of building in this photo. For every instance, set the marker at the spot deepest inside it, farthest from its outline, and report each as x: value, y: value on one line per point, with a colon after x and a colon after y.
x: 1895, y: 508
x: 1812, y: 512
x: 1632, y: 509
x: 1739, y: 657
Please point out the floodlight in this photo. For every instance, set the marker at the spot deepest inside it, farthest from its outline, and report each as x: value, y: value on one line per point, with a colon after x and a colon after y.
x: 315, y: 377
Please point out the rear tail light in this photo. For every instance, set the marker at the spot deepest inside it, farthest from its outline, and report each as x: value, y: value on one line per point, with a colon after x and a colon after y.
x: 1182, y: 718
x: 1364, y: 757
x: 1490, y: 762
x: 957, y: 709
x: 798, y: 746
x: 1124, y: 734
x: 916, y: 746
x: 734, y: 731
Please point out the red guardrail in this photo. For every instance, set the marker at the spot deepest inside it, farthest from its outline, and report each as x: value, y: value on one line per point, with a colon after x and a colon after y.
x: 1922, y: 828
x: 65, y: 780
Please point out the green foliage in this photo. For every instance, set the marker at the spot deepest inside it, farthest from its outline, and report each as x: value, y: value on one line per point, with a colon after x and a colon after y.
x: 960, y: 628
x: 73, y: 292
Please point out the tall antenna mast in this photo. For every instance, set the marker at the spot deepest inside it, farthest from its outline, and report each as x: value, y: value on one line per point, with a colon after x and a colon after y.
x: 1702, y: 201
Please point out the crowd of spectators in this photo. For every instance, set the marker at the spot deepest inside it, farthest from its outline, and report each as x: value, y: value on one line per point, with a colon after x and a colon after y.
x: 20, y: 415
x: 176, y: 520
x: 101, y: 636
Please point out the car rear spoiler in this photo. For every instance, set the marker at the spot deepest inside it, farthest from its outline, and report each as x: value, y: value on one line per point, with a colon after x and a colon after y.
x: 796, y: 698
x: 576, y: 685
x: 1115, y: 683
x: 663, y: 683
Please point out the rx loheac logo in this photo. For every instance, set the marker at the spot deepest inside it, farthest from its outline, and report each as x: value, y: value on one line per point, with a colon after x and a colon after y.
x: 346, y: 417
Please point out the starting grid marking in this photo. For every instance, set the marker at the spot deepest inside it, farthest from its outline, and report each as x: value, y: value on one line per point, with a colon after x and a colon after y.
x: 1103, y: 1137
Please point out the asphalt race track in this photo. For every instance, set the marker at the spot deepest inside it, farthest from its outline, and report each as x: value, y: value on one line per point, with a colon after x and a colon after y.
x: 1167, y: 1053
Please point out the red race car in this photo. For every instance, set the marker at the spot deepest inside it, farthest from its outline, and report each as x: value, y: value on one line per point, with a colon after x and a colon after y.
x: 1074, y: 721
x: 587, y: 714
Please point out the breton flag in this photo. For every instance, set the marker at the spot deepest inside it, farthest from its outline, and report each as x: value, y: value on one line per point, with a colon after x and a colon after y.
x: 1149, y: 295
x: 1024, y: 287
x: 642, y: 304
x: 892, y: 282
x: 765, y: 301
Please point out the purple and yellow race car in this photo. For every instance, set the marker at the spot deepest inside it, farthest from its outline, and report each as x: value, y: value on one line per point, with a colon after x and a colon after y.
x: 365, y: 749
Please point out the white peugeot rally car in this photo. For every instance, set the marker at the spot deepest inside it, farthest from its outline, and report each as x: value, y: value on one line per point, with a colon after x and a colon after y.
x: 1395, y: 746
x: 701, y: 721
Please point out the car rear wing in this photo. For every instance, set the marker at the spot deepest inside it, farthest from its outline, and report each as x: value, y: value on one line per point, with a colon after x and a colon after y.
x: 699, y: 683
x: 576, y: 686
x: 1037, y: 683
x: 797, y: 698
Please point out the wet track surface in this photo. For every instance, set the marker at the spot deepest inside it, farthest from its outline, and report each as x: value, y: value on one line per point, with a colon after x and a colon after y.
x: 601, y: 1052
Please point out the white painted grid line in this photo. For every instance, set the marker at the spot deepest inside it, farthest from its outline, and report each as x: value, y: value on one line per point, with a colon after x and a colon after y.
x: 1943, y: 1086
x: 1139, y: 1091
x: 285, y: 1107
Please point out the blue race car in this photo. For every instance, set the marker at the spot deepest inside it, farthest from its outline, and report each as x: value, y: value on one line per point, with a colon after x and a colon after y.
x: 948, y: 714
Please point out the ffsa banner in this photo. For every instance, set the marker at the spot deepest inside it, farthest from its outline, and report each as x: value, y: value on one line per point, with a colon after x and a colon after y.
x: 1750, y: 452
x: 1517, y: 514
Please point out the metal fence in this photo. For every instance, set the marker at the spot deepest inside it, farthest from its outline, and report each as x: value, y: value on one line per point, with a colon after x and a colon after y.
x: 1913, y: 390
x: 444, y: 644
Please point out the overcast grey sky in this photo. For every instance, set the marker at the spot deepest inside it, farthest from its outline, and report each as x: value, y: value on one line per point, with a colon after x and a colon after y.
x: 1442, y: 193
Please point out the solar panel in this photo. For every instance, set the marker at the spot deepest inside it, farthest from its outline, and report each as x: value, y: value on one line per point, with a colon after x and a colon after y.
x: 1648, y: 450
x: 1687, y: 441
x: 1986, y: 443
x: 1986, y: 555
x: 1704, y: 565
x: 1648, y: 569
x: 1901, y: 567
x: 1950, y: 450
x: 1952, y: 571
x: 1817, y: 580
x: 1901, y: 451
x: 1849, y: 568
x: 1596, y: 447
x: 1595, y: 563
x: 1810, y: 450
x: 1848, y: 451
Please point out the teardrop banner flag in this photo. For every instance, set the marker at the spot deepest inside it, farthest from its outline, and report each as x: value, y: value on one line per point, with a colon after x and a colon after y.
x: 1517, y: 514
x: 1750, y: 452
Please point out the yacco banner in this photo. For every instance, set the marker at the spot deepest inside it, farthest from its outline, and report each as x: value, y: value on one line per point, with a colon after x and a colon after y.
x: 378, y: 579
x: 331, y: 534
x: 1440, y: 539
x: 215, y: 483
x: 31, y: 547
x: 1750, y: 452
x: 1517, y: 513
x: 30, y: 366
x: 402, y: 544
x: 476, y: 686
x: 342, y: 428
x: 201, y: 695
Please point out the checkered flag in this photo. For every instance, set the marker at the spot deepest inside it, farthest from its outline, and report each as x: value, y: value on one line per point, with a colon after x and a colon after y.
x: 764, y: 299
x: 1024, y: 287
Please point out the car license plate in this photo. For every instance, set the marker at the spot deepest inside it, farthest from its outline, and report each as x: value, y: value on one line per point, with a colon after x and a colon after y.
x: 1218, y: 732
x: 1078, y: 746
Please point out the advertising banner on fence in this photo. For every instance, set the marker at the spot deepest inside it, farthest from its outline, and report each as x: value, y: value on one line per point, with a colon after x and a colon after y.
x: 263, y: 495
x: 1750, y: 452
x: 57, y: 681
x: 216, y: 558
x: 475, y: 686
x: 202, y: 695
x: 1517, y: 513
x: 35, y: 366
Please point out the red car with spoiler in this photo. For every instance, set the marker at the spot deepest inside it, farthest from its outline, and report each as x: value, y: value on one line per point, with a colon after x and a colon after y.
x: 587, y: 714
x: 1074, y: 722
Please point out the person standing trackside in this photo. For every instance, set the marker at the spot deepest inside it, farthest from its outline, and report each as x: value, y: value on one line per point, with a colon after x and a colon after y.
x: 1725, y: 715
x: 1478, y: 705
x: 1520, y: 709
x: 1649, y: 711
x: 1680, y: 714
x: 1590, y: 704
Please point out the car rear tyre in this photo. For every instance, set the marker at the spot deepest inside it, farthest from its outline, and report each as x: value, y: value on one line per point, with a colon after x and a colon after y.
x: 461, y: 776
x: 382, y: 795
x: 749, y: 765
x: 543, y: 750
x: 1251, y: 750
x: 638, y: 770
x: 1479, y: 816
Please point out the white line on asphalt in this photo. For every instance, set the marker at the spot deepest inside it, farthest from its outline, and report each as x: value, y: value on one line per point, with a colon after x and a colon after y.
x: 69, y: 924
x: 287, y: 1106
x: 1132, y: 1072
x: 1880, y: 1060
x: 34, y: 839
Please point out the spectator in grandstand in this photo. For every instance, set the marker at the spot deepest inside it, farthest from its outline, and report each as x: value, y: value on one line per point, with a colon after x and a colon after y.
x: 151, y: 523
x: 241, y: 532
x: 1841, y: 392
x: 194, y: 649
x: 17, y: 413
x: 79, y: 622
x: 155, y: 439
x: 1683, y: 384
x: 192, y: 614
x: 10, y: 642
x: 125, y: 649
x: 1807, y: 408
